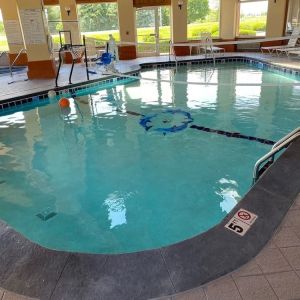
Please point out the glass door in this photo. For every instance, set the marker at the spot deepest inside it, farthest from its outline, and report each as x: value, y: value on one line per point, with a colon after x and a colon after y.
x: 164, y: 29
x: 147, y: 31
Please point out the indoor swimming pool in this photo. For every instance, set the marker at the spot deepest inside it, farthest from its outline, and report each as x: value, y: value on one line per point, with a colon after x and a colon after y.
x: 6, y: 70
x: 141, y: 165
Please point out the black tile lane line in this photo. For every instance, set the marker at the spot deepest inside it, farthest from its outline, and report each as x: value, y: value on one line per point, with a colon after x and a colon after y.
x: 236, y: 135
x: 229, y: 134
x: 133, y: 113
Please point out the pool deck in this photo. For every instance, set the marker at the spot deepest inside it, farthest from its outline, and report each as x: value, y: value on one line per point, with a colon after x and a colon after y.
x: 263, y: 264
x: 22, y: 88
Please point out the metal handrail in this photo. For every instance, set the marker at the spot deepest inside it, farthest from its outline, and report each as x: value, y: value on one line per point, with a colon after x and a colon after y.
x: 15, y: 60
x: 172, y: 52
x: 286, y: 137
x: 3, y: 52
x: 272, y: 153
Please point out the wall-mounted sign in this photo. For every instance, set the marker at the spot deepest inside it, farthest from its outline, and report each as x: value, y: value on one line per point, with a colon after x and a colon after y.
x: 13, y: 32
x: 33, y: 26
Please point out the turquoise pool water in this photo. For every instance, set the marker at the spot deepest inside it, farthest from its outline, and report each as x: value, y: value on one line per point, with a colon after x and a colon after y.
x: 98, y: 180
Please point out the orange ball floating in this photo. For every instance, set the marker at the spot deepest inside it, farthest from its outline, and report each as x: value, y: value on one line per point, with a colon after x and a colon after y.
x: 64, y: 102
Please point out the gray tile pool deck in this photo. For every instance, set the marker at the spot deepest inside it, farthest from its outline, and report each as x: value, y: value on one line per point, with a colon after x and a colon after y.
x: 21, y: 87
x: 273, y: 273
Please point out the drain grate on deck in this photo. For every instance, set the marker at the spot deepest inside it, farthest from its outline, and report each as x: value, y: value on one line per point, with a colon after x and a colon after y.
x: 46, y: 214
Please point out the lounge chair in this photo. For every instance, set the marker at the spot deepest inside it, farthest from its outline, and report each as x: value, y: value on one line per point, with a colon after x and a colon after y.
x: 206, y: 39
x: 295, y: 51
x: 287, y: 51
x: 291, y: 43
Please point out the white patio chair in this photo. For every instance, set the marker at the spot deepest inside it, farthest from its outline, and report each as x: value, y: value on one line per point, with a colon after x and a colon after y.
x: 291, y: 43
x: 206, y: 39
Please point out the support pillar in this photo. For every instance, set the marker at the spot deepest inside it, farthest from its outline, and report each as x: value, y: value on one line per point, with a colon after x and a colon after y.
x: 228, y: 22
x: 179, y: 26
x: 13, y: 31
x: 35, y: 32
x: 276, y: 18
x: 126, y: 13
x: 73, y: 26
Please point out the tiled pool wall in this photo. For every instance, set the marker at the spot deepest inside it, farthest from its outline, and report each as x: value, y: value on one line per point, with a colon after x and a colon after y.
x: 41, y: 98
x: 261, y: 64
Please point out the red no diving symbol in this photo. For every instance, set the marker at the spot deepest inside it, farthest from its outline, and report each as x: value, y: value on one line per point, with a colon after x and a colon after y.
x: 244, y: 215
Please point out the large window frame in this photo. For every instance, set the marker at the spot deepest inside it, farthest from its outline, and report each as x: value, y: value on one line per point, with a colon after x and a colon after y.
x: 206, y: 26
x: 54, y: 21
x: 99, y: 34
x: 250, y: 30
x: 293, y: 16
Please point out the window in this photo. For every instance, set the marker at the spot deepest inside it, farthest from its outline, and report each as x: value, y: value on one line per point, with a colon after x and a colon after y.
x: 253, y: 18
x: 293, y: 17
x: 99, y: 20
x: 54, y: 19
x: 3, y: 40
x: 203, y: 16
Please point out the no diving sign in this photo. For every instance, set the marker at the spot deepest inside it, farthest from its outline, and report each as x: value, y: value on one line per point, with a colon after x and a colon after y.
x: 241, y: 222
x: 246, y: 216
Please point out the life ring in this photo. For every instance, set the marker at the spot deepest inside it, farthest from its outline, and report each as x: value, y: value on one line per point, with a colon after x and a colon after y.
x: 175, y: 119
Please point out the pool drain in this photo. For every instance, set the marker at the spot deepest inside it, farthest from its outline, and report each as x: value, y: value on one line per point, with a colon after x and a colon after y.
x: 46, y: 215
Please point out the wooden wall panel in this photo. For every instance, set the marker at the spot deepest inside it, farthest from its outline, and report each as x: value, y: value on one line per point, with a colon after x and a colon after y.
x: 51, y: 2
x: 127, y: 52
x: 94, y: 1
x: 56, y: 2
x: 144, y: 3
x: 136, y: 3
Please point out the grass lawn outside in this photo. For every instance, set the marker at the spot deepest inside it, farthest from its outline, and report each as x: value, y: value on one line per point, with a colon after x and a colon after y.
x: 248, y: 27
x: 3, y: 43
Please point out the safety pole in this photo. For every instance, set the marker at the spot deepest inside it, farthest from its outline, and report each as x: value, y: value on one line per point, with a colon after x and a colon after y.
x: 85, y: 57
x: 60, y: 61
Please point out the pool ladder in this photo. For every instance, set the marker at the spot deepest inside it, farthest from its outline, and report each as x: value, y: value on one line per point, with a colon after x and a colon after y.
x: 267, y: 160
x: 23, y: 50
x: 3, y: 53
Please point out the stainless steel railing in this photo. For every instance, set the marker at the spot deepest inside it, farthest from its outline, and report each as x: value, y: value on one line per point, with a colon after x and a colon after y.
x: 296, y: 130
x: 2, y: 53
x: 15, y: 60
x: 269, y: 157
